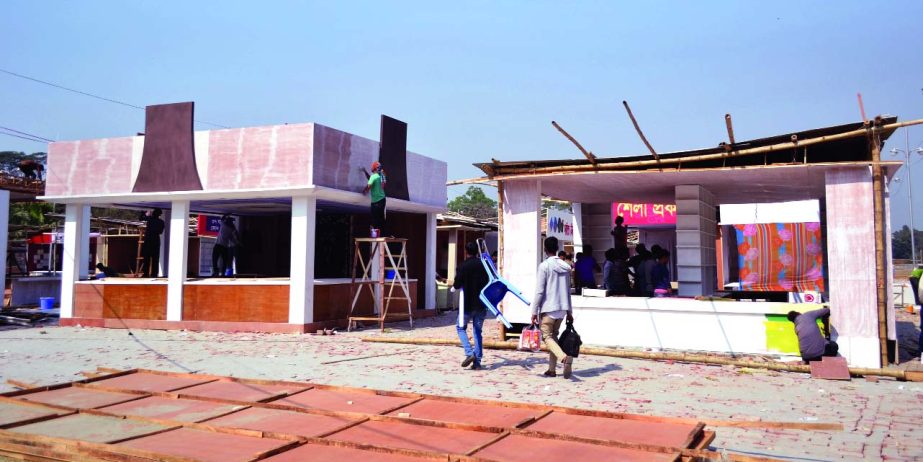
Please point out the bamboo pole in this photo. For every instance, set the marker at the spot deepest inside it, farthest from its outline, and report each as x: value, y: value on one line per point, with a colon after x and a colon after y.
x: 878, y: 207
x: 589, y: 155
x: 640, y: 133
x: 730, y: 127
x: 506, y: 172
x: 657, y: 356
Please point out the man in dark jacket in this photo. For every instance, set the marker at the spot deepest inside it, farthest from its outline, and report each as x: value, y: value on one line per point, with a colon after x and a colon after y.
x: 811, y: 343
x: 472, y: 277
x: 150, y: 249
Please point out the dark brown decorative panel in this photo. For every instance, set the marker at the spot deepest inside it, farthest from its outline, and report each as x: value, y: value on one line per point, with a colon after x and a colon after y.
x: 393, y: 156
x: 168, y: 160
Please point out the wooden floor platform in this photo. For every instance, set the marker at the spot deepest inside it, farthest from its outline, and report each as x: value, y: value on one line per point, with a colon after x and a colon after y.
x: 144, y: 415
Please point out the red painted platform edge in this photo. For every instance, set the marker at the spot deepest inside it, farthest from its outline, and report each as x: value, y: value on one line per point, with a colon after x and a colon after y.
x: 216, y: 326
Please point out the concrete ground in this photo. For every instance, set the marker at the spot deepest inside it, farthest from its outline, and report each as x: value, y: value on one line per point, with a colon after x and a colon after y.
x: 880, y: 418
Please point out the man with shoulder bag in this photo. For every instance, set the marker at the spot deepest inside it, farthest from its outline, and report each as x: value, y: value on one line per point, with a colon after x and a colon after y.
x: 551, y: 305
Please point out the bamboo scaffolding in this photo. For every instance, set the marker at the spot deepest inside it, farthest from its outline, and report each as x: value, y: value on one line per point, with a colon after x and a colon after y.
x: 502, y: 172
x: 657, y: 356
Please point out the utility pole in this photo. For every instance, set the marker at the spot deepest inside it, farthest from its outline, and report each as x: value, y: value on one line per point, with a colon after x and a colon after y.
x: 907, y: 151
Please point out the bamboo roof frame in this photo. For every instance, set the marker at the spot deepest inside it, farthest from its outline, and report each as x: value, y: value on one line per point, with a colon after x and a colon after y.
x: 509, y: 170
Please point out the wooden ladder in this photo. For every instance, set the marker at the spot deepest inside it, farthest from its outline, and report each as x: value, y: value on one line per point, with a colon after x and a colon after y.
x: 380, y: 251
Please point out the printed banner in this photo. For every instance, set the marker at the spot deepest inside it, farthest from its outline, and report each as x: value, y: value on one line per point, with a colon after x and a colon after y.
x: 560, y: 225
x: 644, y: 214
x: 208, y: 225
x: 780, y: 257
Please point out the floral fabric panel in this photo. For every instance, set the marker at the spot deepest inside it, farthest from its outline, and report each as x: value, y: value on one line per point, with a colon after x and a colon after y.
x: 781, y: 257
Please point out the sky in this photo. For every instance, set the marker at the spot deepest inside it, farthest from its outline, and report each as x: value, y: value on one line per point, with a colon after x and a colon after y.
x: 474, y: 80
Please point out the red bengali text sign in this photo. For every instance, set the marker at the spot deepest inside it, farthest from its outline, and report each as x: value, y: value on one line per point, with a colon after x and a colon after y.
x: 644, y: 214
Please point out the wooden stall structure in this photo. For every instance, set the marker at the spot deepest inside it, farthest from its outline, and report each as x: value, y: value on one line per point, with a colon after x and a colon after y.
x: 838, y: 166
x: 295, y: 196
x: 453, y: 232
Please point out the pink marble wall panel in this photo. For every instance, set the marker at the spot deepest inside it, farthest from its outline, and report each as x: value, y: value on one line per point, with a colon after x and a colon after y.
x: 851, y: 252
x: 426, y: 178
x: 277, y: 156
x: 338, y: 156
x: 89, y: 167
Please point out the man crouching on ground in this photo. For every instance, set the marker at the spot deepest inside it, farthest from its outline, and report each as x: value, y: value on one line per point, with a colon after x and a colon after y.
x: 811, y: 343
x: 552, y: 304
x: 472, y: 277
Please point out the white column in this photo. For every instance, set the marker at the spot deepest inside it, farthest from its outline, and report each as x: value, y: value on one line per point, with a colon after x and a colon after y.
x: 85, y: 243
x: 578, y: 226
x: 4, y: 229
x: 696, y: 261
x: 70, y: 264
x: 179, y: 246
x: 521, y: 243
x: 301, y: 285
x: 430, y: 277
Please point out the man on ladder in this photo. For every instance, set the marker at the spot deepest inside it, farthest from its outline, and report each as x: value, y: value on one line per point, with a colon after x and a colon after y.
x: 376, y: 189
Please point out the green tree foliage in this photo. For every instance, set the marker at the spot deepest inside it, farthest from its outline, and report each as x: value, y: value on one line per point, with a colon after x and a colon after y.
x: 474, y: 203
x: 556, y: 205
x: 900, y: 243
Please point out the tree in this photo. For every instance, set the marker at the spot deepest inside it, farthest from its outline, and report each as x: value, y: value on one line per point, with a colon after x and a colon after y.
x: 900, y: 243
x: 474, y: 203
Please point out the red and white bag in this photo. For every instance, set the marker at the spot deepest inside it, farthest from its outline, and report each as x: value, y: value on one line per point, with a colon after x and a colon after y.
x: 531, y: 339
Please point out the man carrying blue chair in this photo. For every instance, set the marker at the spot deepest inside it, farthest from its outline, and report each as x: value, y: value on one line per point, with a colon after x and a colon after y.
x: 472, y: 278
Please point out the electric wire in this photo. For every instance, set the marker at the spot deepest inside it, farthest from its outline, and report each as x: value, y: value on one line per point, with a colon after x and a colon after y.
x: 91, y: 95
x: 23, y: 137
x: 42, y: 138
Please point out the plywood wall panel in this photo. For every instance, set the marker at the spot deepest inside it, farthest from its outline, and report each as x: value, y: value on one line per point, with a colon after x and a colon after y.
x: 101, y: 166
x: 277, y: 156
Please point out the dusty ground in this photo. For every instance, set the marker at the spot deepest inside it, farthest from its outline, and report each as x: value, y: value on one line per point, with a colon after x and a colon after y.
x: 881, y: 419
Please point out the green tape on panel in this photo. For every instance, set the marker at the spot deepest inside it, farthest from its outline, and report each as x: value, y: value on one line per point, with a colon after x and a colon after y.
x: 780, y: 334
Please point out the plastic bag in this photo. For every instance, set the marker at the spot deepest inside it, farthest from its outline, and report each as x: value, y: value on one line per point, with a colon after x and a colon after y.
x: 569, y: 341
x: 531, y: 339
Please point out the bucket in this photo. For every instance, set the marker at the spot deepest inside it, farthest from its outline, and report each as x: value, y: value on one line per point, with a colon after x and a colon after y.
x: 46, y: 303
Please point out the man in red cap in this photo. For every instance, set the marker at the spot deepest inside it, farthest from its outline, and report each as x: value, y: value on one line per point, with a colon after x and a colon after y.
x: 376, y: 188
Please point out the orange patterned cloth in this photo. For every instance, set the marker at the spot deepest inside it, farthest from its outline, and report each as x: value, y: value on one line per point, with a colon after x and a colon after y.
x: 785, y: 257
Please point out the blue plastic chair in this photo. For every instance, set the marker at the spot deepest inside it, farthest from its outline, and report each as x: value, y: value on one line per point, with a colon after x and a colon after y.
x: 497, y: 287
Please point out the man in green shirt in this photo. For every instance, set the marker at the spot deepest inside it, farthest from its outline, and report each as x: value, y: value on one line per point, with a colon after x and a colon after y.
x: 376, y: 189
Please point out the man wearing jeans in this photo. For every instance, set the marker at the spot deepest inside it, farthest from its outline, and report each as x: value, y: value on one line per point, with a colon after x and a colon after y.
x: 472, y: 277
x: 552, y: 305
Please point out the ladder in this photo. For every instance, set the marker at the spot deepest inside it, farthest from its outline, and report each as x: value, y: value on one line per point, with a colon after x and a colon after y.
x: 373, y: 278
